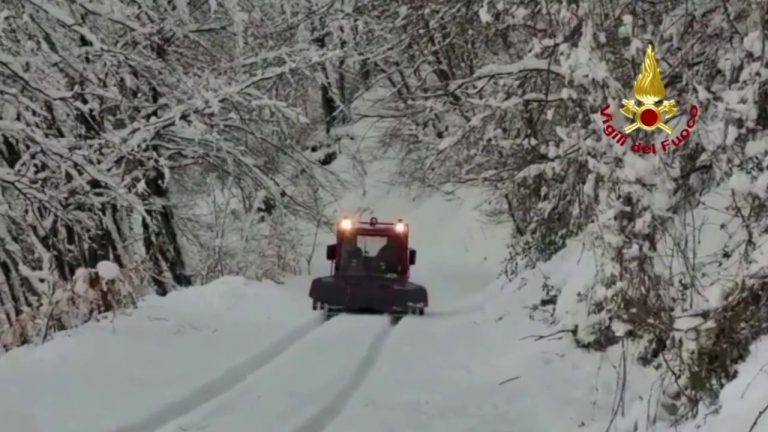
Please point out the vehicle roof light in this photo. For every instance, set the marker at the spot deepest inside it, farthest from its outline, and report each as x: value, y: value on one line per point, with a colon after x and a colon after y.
x: 400, y: 227
x: 345, y: 224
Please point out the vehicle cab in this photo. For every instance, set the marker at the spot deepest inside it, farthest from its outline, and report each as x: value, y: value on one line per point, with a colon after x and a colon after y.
x: 371, y: 248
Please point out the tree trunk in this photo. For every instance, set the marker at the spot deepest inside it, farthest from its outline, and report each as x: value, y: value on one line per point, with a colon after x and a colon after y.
x: 365, y: 70
x: 329, y: 105
x: 344, y: 114
x: 5, y: 308
x: 160, y: 238
x: 19, y: 287
x: 326, y: 97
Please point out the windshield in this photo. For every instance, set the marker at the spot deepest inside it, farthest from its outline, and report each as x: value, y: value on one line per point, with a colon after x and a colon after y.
x: 364, y: 254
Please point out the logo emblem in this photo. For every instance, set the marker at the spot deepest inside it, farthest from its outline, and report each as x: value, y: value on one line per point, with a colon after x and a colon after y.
x: 651, y: 113
x: 649, y: 89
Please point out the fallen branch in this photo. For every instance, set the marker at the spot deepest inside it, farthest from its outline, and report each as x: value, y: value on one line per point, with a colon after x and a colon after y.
x: 540, y: 337
x: 509, y: 380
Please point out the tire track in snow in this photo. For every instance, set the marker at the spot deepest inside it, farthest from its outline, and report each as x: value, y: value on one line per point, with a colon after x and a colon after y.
x: 328, y: 413
x: 223, y: 383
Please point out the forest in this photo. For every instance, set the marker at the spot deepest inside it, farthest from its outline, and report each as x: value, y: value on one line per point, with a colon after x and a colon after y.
x: 123, y: 122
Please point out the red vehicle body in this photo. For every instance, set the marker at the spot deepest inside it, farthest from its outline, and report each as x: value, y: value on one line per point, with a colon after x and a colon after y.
x: 363, y: 281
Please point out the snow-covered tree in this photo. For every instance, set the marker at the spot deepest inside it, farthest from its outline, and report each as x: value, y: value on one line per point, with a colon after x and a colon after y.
x: 508, y: 95
x: 107, y: 104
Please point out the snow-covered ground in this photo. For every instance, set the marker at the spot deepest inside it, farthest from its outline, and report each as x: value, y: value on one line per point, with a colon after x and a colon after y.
x: 149, y: 366
x: 238, y: 355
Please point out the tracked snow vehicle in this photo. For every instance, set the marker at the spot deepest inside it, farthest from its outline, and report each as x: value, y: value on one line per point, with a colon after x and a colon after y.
x: 370, y: 267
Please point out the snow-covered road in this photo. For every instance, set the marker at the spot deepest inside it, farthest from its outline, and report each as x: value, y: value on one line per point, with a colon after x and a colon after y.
x: 305, y: 388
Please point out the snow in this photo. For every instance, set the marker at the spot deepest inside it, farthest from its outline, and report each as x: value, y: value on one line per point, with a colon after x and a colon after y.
x: 453, y: 373
x: 512, y: 68
x: 485, y: 16
x: 311, y: 380
x: 155, y: 357
x: 753, y: 43
x: 447, y: 142
x: 760, y: 187
x: 236, y: 353
x: 740, y: 182
x: 627, y: 22
x: 3, y: 15
x: 755, y: 147
x: 640, y: 168
x: 108, y: 270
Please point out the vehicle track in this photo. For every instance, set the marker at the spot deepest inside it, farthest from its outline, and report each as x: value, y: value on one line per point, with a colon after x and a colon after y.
x: 304, y: 390
x: 225, y: 382
x: 328, y: 413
